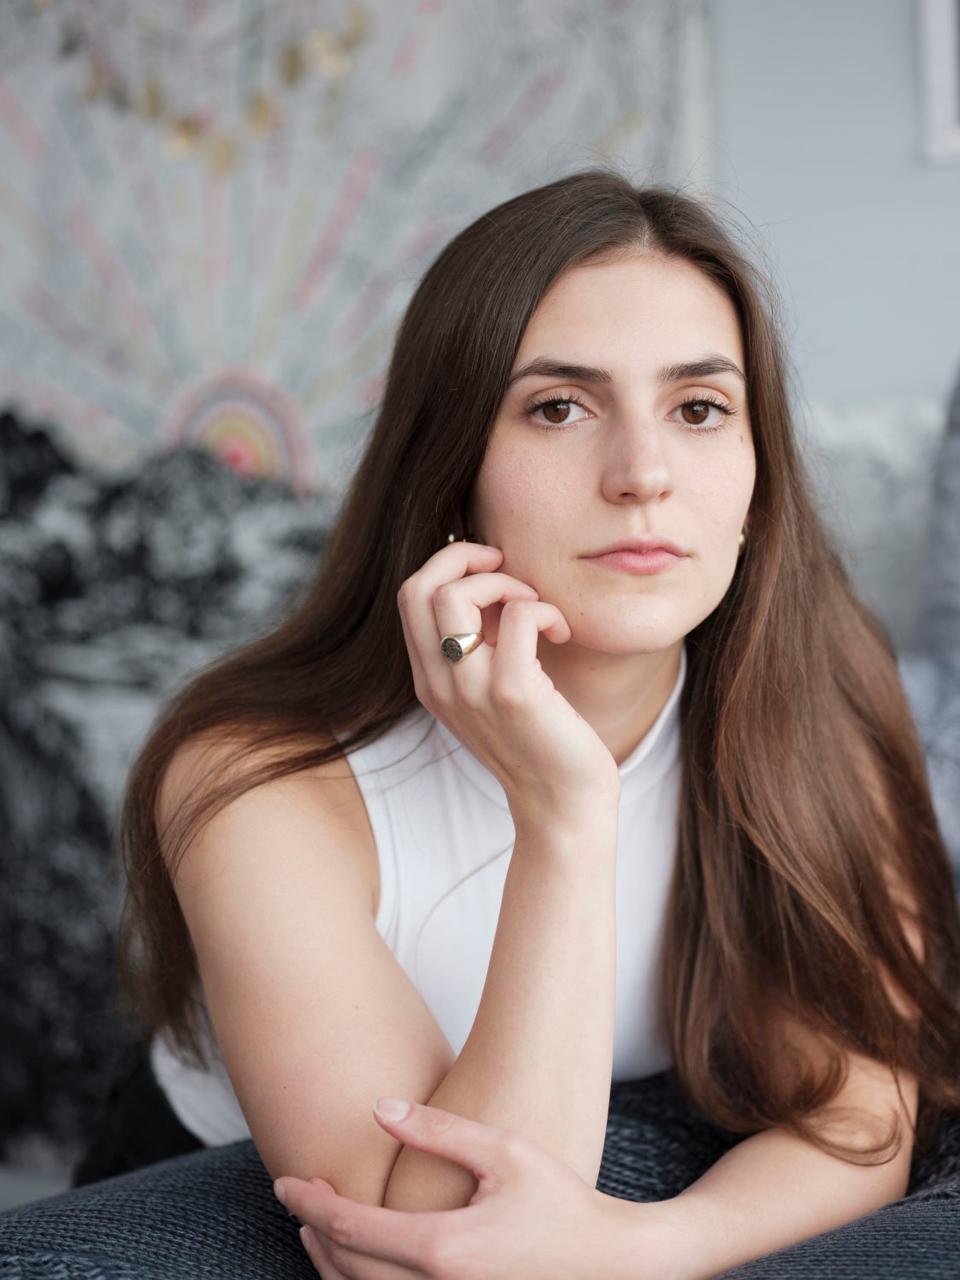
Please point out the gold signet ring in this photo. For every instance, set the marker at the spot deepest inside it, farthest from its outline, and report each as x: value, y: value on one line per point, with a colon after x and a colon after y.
x: 458, y: 646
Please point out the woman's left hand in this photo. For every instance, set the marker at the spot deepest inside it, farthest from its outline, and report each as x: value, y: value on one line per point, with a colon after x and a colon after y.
x: 530, y: 1216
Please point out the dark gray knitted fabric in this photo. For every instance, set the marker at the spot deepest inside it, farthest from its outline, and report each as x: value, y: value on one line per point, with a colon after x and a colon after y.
x: 212, y: 1215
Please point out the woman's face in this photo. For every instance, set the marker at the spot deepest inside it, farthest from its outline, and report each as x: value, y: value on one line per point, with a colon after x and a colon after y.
x: 562, y: 481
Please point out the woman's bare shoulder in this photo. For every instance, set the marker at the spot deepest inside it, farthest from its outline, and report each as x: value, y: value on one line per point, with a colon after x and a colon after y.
x: 332, y: 782
x: 341, y: 785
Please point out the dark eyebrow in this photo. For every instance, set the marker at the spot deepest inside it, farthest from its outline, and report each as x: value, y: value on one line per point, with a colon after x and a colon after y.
x: 546, y: 367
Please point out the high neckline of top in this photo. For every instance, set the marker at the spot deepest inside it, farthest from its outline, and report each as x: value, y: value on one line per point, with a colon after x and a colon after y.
x: 640, y: 769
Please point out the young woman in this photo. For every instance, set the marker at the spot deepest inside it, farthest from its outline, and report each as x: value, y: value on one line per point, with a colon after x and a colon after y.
x: 497, y: 815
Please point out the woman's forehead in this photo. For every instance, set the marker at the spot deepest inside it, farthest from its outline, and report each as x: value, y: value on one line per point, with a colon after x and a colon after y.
x: 653, y: 310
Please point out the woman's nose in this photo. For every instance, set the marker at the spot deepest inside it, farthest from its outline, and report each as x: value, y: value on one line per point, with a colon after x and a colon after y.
x: 636, y: 463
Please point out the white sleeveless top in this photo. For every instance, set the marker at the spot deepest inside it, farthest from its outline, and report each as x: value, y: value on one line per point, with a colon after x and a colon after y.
x: 444, y: 835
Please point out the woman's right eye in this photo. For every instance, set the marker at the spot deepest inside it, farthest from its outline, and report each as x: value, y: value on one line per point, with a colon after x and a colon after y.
x: 556, y: 404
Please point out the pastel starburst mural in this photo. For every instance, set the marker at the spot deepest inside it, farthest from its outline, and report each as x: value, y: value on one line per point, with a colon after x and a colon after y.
x: 212, y: 214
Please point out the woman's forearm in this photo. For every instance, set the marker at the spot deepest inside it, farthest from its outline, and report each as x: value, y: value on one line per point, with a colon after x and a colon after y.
x: 539, y: 1056
x: 769, y: 1191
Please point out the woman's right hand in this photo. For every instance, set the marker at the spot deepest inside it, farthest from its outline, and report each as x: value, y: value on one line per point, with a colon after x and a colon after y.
x: 497, y: 699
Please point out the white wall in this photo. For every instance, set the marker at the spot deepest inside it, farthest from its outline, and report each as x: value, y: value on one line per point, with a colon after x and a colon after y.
x: 817, y: 141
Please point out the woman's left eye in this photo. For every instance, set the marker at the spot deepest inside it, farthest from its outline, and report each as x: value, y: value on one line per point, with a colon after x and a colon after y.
x: 706, y: 402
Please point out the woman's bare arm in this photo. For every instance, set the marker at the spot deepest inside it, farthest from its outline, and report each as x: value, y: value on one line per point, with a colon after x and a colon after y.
x: 539, y: 1057
x: 772, y: 1190
x: 313, y: 1014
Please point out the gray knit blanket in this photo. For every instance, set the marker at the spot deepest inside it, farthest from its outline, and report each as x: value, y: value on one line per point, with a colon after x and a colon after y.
x: 213, y: 1215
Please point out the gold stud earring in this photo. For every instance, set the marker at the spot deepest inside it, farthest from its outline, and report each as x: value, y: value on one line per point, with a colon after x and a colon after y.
x: 743, y: 538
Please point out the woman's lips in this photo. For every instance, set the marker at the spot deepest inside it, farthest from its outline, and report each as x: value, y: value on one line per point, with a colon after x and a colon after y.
x: 637, y: 561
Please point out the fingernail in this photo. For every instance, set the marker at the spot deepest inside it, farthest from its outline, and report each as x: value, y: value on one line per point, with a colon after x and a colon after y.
x: 278, y: 1191
x: 393, y: 1108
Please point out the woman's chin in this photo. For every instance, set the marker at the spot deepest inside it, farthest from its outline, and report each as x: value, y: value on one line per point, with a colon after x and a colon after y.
x: 621, y: 639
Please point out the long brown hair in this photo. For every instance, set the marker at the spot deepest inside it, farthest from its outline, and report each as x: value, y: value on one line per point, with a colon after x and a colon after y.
x: 804, y: 780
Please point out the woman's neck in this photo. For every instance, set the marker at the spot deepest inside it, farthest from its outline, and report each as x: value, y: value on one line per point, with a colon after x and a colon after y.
x: 619, y: 695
